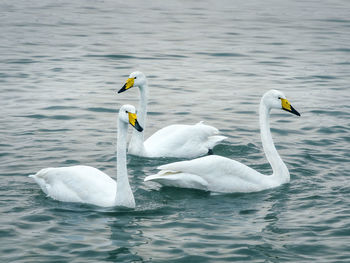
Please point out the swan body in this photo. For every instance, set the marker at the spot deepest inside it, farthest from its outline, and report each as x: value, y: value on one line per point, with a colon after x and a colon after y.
x: 83, y: 184
x: 219, y: 174
x: 212, y: 173
x: 172, y: 141
x: 179, y: 140
x: 86, y: 184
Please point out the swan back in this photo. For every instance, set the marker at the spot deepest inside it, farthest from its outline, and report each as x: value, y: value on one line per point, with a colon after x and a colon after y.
x: 183, y: 141
x: 220, y: 174
x: 80, y: 183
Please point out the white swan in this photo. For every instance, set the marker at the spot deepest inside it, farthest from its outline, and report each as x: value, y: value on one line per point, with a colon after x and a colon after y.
x: 179, y: 140
x: 86, y: 184
x: 220, y: 174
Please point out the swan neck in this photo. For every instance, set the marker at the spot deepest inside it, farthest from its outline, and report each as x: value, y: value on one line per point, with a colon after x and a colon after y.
x: 142, y: 110
x: 280, y: 171
x: 124, y: 195
x: 136, y: 143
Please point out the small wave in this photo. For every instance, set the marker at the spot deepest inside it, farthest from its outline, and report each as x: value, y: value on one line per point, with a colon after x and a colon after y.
x: 111, y: 56
x: 60, y: 108
x: 221, y: 54
x: 331, y: 112
x: 54, y: 117
x: 37, y: 218
x: 323, y: 77
x: 21, y: 61
x: 336, y: 20
x: 100, y: 109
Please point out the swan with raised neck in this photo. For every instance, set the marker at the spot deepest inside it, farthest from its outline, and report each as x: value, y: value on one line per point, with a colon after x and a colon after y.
x: 220, y: 174
x: 86, y: 184
x: 178, y: 140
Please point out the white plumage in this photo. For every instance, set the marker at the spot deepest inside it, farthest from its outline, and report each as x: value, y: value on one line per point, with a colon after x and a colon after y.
x: 83, y: 184
x: 220, y: 174
x: 86, y: 184
x: 179, y: 140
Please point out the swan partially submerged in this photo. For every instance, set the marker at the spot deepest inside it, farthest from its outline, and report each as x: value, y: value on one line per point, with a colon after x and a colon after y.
x: 178, y: 140
x: 223, y: 175
x: 86, y: 184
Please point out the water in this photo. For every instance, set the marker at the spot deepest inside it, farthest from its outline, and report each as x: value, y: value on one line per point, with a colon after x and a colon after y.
x: 61, y: 64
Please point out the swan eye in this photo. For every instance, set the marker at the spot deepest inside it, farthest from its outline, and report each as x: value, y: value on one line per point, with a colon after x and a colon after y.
x: 135, y: 77
x: 279, y: 98
x: 126, y: 111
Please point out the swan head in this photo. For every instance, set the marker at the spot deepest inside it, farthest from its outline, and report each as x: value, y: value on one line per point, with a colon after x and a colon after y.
x: 136, y: 79
x: 277, y: 100
x: 127, y: 114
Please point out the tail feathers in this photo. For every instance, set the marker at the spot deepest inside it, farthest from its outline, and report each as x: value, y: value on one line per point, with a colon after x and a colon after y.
x: 211, y: 131
x: 214, y: 140
x: 207, y: 129
x: 41, y: 173
x: 39, y: 178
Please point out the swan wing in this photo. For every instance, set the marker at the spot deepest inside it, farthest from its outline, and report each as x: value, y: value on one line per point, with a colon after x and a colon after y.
x: 220, y: 174
x: 179, y: 179
x: 183, y: 141
x: 80, y: 183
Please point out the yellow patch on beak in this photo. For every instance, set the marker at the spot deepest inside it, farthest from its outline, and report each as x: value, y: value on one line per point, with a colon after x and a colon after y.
x: 133, y: 121
x: 132, y: 118
x: 129, y: 83
x: 286, y: 105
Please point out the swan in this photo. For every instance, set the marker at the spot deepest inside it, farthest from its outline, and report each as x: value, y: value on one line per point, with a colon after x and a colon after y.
x: 86, y: 184
x: 178, y: 140
x: 223, y: 175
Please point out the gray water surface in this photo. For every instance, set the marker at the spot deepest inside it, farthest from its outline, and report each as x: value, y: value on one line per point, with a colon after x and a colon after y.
x: 61, y: 64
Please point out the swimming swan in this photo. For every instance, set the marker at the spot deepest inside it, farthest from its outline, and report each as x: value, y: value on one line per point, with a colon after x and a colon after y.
x: 220, y: 174
x: 86, y: 184
x: 179, y: 140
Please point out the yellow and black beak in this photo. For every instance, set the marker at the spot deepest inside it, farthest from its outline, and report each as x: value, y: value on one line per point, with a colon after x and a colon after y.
x: 128, y: 84
x: 133, y: 121
x: 288, y: 107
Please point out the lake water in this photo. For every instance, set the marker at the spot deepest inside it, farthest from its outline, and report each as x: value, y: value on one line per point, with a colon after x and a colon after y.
x: 60, y: 67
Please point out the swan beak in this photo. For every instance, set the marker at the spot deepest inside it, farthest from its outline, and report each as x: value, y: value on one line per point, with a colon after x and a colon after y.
x: 128, y: 84
x: 288, y: 107
x: 133, y: 121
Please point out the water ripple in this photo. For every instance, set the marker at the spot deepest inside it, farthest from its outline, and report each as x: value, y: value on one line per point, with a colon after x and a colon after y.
x: 61, y: 62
